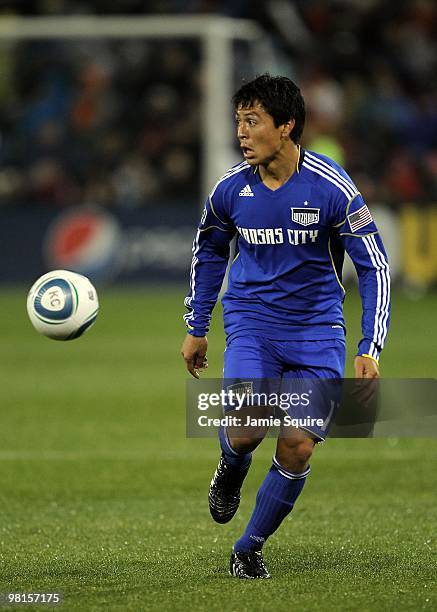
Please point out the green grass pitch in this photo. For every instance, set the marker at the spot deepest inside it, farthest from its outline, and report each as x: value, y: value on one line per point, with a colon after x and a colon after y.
x: 104, y: 499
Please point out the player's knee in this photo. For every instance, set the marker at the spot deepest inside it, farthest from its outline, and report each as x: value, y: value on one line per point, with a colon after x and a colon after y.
x: 295, y: 454
x: 302, y: 452
x: 244, y: 444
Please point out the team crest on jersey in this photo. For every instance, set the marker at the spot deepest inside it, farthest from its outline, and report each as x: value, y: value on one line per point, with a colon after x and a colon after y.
x: 305, y: 216
x: 241, y: 388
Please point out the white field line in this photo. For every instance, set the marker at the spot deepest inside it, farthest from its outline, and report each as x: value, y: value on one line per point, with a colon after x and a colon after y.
x: 17, y: 455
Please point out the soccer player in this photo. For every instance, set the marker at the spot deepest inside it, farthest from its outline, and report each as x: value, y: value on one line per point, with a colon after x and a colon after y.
x: 294, y: 212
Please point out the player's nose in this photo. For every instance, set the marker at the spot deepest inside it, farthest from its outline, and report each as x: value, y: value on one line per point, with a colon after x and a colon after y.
x: 241, y: 133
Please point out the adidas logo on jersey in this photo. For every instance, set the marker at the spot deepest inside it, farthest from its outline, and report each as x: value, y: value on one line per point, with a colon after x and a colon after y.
x: 246, y: 192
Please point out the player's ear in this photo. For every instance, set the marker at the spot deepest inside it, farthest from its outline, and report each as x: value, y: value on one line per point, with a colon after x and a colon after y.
x: 287, y: 128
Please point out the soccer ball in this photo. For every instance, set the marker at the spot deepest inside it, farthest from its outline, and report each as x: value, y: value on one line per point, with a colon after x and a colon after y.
x: 62, y: 305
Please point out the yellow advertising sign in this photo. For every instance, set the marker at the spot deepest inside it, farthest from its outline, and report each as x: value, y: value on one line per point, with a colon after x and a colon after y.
x: 419, y: 242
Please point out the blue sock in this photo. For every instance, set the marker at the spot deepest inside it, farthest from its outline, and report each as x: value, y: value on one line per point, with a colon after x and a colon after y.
x: 239, y: 460
x: 275, y: 499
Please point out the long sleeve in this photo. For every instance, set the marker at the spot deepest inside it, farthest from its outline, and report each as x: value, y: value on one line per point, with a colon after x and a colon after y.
x: 363, y: 243
x: 208, y: 267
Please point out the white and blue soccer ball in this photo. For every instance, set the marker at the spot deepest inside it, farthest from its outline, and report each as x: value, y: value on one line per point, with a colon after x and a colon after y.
x: 62, y: 305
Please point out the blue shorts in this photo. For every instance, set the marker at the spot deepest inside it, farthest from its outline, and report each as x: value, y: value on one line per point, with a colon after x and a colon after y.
x: 264, y: 365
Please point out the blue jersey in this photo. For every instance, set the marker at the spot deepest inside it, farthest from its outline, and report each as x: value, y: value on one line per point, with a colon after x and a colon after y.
x: 285, y: 281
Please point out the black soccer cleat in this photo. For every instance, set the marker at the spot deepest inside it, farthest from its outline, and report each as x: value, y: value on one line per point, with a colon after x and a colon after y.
x: 248, y: 566
x: 224, y: 491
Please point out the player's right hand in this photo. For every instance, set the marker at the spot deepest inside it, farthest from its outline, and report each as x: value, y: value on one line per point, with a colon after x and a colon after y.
x: 194, y: 353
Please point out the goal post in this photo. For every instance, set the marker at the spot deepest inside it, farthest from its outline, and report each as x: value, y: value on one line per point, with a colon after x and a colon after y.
x: 216, y: 35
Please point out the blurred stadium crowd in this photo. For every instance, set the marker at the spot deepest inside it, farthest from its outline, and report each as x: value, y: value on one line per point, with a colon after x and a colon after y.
x: 117, y: 123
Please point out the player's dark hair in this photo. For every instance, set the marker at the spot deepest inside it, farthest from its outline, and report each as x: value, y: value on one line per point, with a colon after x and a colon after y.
x: 280, y: 98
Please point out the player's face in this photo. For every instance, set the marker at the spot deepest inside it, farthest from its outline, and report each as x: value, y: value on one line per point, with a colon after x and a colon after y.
x: 259, y: 139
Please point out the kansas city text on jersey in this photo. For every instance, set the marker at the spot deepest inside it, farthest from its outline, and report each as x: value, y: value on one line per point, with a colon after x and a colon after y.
x: 276, y: 235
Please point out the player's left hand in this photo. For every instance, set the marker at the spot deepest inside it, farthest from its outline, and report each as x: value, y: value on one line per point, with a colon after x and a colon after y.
x: 366, y: 367
x: 366, y: 381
